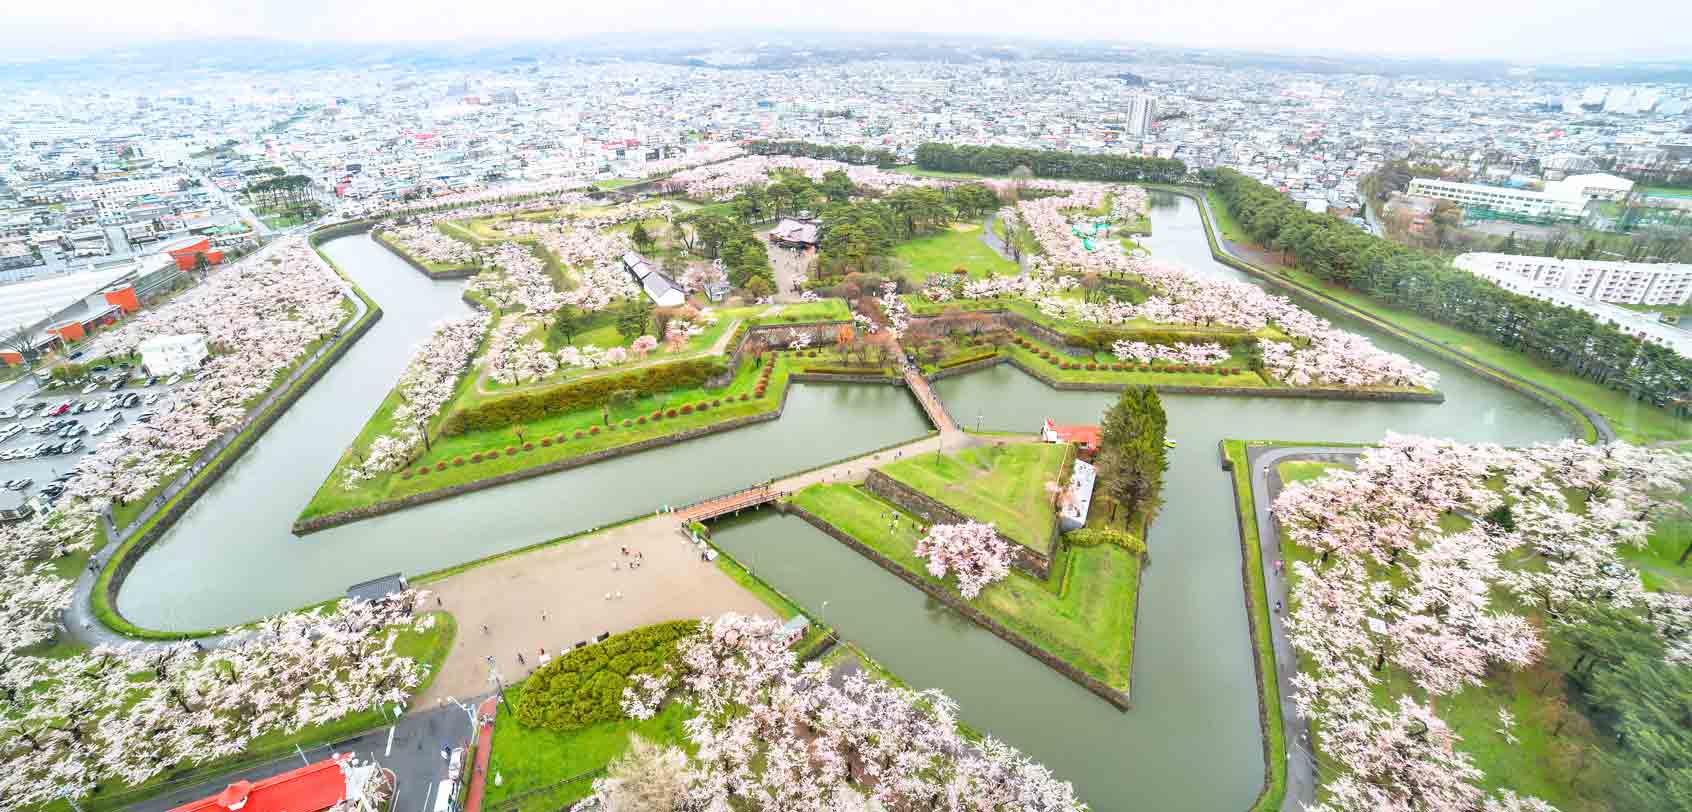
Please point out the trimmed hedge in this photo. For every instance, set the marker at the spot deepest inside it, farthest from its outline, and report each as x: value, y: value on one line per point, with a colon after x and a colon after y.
x: 585, y: 686
x: 960, y: 360
x: 1102, y: 340
x: 529, y: 407
x: 1092, y: 536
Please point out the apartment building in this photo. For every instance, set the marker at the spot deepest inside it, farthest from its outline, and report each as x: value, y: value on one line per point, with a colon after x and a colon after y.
x: 1616, y: 282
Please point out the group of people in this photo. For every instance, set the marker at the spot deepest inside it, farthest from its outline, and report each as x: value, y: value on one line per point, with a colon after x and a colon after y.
x: 636, y: 559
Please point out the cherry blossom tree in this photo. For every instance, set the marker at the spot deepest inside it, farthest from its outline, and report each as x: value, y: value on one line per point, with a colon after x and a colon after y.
x: 768, y: 735
x: 972, y: 551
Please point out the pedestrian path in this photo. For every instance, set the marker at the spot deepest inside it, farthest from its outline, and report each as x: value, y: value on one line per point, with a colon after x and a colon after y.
x: 484, y: 750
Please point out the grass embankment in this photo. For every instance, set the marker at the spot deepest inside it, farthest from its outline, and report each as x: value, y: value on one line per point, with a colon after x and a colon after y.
x: 1556, y: 755
x: 958, y: 246
x: 429, y: 648
x: 1632, y: 420
x: 529, y: 440
x: 1257, y: 606
x: 1002, y: 484
x: 1243, y: 378
x: 1083, y: 614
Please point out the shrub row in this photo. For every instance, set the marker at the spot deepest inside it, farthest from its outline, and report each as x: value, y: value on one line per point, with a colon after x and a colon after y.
x: 1102, y: 340
x: 585, y: 686
x: 528, y: 407
x: 968, y: 358
x: 824, y: 369
x: 1093, y: 536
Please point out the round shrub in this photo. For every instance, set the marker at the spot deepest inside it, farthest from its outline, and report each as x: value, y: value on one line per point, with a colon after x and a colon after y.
x: 641, y: 420
x: 423, y: 471
x: 716, y: 402
x: 528, y: 446
x: 476, y: 457
x: 456, y: 461
x: 594, y: 430
x: 759, y: 392
x: 1091, y: 365
x: 627, y: 423
x: 546, y: 442
x: 560, y: 439
x: 511, y: 451
x: 440, y: 466
x: 743, y: 397
x: 687, y: 409
x: 657, y: 414
x: 406, y: 475
x: 670, y: 413
x: 703, y: 406
x: 580, y: 434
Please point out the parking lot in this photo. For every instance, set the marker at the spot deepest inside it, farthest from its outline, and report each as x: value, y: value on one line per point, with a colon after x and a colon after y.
x: 71, y: 417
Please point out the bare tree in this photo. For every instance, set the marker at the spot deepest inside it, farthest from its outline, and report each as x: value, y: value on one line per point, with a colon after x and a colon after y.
x: 19, y: 340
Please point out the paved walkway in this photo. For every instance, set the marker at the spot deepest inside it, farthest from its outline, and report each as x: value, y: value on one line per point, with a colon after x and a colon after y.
x: 484, y: 749
x: 1265, y: 486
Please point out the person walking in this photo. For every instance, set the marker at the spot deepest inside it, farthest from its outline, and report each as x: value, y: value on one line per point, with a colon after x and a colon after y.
x: 543, y: 615
x: 520, y: 659
x: 485, y: 629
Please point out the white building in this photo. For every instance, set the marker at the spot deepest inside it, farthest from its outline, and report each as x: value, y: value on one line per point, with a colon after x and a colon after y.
x: 1645, y: 283
x: 1566, y: 198
x: 1141, y: 111
x: 119, y: 190
x: 173, y: 355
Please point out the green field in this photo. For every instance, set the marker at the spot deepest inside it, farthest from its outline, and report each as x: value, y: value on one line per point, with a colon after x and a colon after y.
x: 1083, y: 614
x: 1001, y: 484
x: 532, y: 758
x: 959, y: 246
x: 333, y: 497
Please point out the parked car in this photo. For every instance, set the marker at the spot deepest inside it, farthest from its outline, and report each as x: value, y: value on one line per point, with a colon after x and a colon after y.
x: 52, y: 491
x: 27, y: 412
x: 171, y: 381
x: 152, y: 381
x: 116, y: 385
x: 89, y: 389
x: 146, y: 415
x: 19, y: 484
x: 132, y: 400
x: 8, y: 413
x: 101, y: 368
x: 76, y: 355
x: 73, y: 446
x: 152, y: 398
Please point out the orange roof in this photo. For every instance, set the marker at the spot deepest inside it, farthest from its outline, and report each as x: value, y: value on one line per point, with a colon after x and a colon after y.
x: 1084, y: 435
x: 311, y: 788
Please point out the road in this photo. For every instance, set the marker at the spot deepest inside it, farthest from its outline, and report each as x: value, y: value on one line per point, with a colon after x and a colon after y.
x: 415, y: 758
x: 263, y: 231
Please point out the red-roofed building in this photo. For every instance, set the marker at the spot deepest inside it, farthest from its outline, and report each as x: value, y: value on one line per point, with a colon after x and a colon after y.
x: 1084, y: 438
x: 334, y: 783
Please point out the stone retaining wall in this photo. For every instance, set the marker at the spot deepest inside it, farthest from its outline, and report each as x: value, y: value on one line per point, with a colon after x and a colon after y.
x: 840, y: 377
x: 933, y: 511
x: 1252, y: 622
x: 962, y: 369
x: 307, y: 526
x: 1118, y: 699
x: 1236, y: 391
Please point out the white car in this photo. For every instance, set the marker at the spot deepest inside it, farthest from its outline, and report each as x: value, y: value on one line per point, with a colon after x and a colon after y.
x: 152, y: 398
x: 171, y: 381
x: 8, y: 414
x: 110, y: 402
x: 90, y: 388
x: 28, y: 411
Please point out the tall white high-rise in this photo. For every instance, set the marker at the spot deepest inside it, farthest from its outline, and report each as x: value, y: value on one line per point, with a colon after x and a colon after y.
x: 1141, y: 110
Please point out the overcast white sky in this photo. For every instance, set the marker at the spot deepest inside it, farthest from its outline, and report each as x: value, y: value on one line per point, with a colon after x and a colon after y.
x: 1513, y: 29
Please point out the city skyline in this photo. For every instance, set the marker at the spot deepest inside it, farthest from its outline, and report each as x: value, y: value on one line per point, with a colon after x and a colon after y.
x: 1510, y: 30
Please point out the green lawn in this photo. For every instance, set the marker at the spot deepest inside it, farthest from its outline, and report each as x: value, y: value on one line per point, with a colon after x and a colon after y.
x: 918, y: 172
x: 1257, y: 598
x: 1224, y: 219
x: 614, y: 183
x: 959, y: 246
x: 1243, y: 378
x: 1005, y: 485
x: 332, y: 496
x: 1083, y: 614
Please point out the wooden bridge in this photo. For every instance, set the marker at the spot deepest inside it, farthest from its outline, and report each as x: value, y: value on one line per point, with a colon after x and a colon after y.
x: 930, y: 402
x: 728, y: 503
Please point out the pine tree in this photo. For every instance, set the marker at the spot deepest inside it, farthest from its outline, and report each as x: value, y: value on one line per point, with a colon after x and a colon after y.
x: 1133, y: 456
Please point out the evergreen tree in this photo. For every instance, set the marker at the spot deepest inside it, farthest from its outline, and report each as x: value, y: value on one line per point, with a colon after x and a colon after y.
x: 633, y: 317
x: 1133, y: 456
x: 642, y: 238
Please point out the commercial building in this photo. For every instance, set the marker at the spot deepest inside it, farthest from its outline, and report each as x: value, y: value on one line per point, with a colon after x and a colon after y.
x: 1645, y: 283
x: 1560, y: 199
x: 173, y: 355
x: 121, y: 190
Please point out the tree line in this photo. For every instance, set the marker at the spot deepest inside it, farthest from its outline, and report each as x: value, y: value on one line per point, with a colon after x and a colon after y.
x: 1048, y: 163
x: 1561, y: 337
x: 850, y: 154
